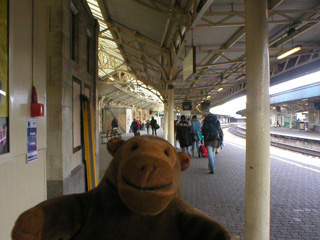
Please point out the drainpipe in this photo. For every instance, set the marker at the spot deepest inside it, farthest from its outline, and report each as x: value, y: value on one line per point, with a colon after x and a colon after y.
x: 257, y: 189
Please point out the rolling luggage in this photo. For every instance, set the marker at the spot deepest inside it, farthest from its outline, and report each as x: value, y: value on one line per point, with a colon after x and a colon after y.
x: 203, y: 152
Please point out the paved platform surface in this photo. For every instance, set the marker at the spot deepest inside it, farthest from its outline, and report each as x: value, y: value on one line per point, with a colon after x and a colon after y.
x: 295, y: 190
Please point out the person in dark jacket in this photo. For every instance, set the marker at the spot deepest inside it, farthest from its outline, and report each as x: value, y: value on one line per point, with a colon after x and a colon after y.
x: 135, y: 127
x: 213, y: 137
x: 153, y: 124
x: 184, y: 134
x: 114, y: 123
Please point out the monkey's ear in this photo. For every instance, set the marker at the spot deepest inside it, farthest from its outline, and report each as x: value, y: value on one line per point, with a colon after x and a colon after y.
x: 184, y: 160
x: 113, y: 145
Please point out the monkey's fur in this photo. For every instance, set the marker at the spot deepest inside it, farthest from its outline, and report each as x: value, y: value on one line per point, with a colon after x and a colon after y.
x: 137, y: 199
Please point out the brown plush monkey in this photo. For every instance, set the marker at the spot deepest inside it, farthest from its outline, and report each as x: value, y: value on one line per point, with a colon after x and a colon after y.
x: 137, y: 199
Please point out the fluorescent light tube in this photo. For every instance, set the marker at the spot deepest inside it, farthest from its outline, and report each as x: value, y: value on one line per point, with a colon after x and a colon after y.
x: 286, y: 54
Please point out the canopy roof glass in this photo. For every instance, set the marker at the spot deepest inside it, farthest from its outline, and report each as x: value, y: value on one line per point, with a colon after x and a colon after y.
x: 112, y: 68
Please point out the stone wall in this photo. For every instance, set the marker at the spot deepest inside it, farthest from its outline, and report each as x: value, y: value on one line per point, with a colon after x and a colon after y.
x: 141, y: 114
x: 119, y: 112
x: 123, y: 117
x: 63, y: 160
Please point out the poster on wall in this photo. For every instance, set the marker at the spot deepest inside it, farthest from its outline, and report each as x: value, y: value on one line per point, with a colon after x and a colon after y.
x: 4, y: 107
x: 32, y: 148
x: 4, y: 143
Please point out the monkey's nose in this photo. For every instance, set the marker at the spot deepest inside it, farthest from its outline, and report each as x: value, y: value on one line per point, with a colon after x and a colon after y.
x: 146, y: 172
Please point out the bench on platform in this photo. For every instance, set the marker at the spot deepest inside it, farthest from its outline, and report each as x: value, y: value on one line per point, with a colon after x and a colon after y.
x: 105, y: 136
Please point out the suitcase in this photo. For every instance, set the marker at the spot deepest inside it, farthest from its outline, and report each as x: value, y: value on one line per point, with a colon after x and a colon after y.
x: 203, y: 152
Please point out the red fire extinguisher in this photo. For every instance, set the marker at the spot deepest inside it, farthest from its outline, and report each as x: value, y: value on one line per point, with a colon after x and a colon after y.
x: 37, y: 109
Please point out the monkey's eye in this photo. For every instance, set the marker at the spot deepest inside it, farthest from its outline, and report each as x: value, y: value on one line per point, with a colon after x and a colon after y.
x: 134, y: 147
x: 166, y: 153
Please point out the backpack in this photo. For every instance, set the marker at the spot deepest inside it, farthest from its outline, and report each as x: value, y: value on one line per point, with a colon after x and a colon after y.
x: 135, y: 125
x: 211, y: 127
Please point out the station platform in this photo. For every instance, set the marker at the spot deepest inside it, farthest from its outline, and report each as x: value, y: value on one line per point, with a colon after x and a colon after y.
x: 295, y: 189
x: 295, y: 132
x: 286, y: 131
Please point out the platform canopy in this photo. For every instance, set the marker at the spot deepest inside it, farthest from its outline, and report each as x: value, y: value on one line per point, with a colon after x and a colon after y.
x: 148, y: 40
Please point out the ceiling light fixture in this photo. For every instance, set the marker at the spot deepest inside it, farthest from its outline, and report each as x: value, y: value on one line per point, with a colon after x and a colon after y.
x: 220, y: 89
x: 3, y: 93
x: 291, y: 51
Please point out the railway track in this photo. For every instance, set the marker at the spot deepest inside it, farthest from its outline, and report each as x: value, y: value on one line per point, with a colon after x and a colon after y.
x: 305, y: 151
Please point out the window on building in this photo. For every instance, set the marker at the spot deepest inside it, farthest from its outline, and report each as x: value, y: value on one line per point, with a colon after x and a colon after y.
x: 74, y: 32
x: 89, y: 52
x: 76, y: 114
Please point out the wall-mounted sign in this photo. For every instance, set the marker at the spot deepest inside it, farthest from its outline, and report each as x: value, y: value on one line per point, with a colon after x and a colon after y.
x: 32, y: 147
x: 189, y: 64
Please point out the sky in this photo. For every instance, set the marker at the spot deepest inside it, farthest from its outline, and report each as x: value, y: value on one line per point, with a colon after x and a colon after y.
x: 231, y: 107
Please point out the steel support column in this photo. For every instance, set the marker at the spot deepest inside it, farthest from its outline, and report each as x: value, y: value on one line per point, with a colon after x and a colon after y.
x: 257, y: 189
x: 165, y: 124
x: 171, y: 115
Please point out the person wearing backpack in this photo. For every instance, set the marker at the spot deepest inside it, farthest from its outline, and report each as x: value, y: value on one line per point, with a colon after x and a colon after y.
x: 213, y: 137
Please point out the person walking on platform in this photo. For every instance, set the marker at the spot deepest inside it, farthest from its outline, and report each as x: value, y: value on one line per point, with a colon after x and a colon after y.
x: 184, y: 135
x: 213, y: 137
x: 153, y: 124
x: 148, y: 126
x: 196, y: 133
x: 114, y: 124
x: 135, y: 127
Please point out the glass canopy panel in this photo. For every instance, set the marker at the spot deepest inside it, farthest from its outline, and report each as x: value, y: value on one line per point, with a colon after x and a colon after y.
x: 110, y: 59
